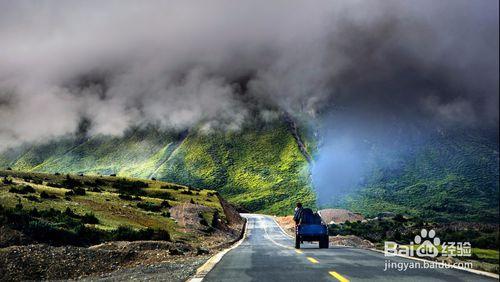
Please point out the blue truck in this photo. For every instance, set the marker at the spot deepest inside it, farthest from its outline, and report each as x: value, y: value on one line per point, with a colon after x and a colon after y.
x: 311, y: 228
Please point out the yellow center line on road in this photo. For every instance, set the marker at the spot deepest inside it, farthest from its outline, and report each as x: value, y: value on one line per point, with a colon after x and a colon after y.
x: 338, y: 276
x: 313, y: 260
x: 299, y: 252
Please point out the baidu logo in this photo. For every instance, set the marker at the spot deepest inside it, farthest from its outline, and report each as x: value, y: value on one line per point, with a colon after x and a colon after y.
x: 427, y: 244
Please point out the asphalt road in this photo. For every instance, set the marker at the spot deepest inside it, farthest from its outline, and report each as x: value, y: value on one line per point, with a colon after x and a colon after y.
x: 267, y: 254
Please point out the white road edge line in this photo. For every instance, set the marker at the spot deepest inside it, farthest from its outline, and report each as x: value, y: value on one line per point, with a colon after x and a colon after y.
x: 274, y: 242
x: 478, y: 272
x: 203, y: 270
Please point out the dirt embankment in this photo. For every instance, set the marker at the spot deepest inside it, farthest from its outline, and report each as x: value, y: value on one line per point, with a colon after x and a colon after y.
x: 287, y: 223
x: 351, y: 241
x: 339, y: 216
x: 232, y: 215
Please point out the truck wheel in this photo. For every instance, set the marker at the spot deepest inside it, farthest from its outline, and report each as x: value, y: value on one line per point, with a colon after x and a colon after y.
x: 297, y: 242
x: 323, y: 242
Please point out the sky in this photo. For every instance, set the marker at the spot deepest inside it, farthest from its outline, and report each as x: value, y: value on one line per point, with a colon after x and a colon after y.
x: 178, y: 63
x: 356, y: 66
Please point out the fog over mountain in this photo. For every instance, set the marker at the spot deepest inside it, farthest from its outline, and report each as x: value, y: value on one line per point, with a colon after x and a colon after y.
x: 176, y: 64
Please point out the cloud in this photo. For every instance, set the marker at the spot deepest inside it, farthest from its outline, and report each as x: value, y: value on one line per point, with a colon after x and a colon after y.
x: 180, y: 63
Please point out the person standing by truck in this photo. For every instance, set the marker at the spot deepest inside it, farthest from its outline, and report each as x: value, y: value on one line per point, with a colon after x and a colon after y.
x: 298, y: 213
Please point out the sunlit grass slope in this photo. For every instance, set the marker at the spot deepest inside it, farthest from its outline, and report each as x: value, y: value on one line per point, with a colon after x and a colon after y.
x: 259, y: 167
x: 115, y: 201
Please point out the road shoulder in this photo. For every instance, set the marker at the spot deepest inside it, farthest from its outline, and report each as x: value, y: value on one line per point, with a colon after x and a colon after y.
x: 203, y: 270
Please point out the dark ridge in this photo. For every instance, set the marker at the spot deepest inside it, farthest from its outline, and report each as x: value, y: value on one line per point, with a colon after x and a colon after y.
x: 292, y: 126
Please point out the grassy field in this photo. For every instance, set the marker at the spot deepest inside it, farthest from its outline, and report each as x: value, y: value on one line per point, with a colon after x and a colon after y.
x: 115, y: 201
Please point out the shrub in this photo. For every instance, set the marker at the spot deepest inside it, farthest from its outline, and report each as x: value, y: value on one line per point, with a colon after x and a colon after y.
x: 187, y: 192
x: 165, y: 204
x: 204, y: 222
x: 128, y: 234
x: 23, y: 190
x: 28, y: 189
x: 399, y: 218
x: 129, y: 197
x: 96, y: 189
x: 164, y: 196
x: 89, y: 235
x: 69, y: 193
x: 160, y: 234
x: 27, y: 178
x: 71, y: 183
x: 125, y: 197
x: 7, y: 181
x: 42, y: 230
x: 90, y: 218
x: 99, y: 182
x: 55, y: 185
x: 79, y: 191
x: 45, y: 195
x: 170, y: 186
x: 34, y: 212
x: 32, y: 198
x: 148, y: 206
x: 70, y: 213
x: 130, y: 187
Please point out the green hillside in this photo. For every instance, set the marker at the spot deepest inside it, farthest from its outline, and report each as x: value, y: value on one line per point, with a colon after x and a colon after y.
x: 452, y: 176
x: 259, y: 168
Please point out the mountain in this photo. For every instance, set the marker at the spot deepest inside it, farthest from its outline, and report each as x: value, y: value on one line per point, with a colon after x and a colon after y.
x: 260, y: 167
x: 452, y: 176
x: 265, y: 167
